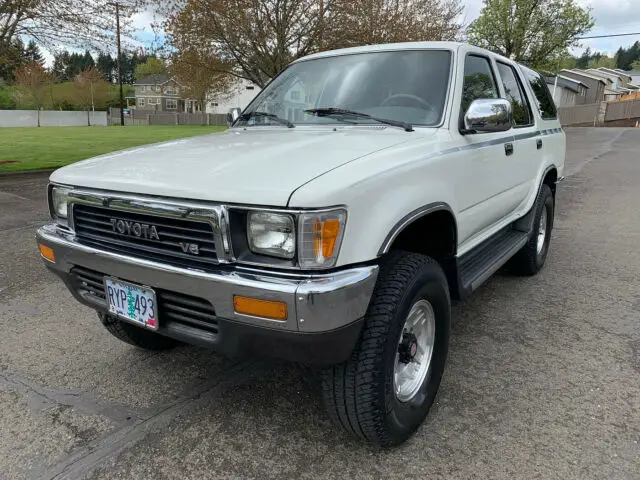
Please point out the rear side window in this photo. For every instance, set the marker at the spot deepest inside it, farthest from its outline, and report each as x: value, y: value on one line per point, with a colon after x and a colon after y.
x: 545, y: 101
x: 515, y: 94
x: 479, y: 81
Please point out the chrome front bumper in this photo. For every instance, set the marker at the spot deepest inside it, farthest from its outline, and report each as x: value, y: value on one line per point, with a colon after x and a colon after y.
x: 316, y: 303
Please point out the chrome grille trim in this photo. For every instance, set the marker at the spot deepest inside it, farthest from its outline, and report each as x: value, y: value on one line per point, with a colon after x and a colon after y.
x: 214, y: 215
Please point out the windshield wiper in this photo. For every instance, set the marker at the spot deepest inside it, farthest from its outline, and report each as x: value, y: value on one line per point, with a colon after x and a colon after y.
x: 272, y: 116
x: 330, y: 112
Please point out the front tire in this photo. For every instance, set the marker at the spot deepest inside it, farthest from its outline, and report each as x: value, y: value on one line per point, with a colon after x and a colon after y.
x: 136, y: 336
x: 409, y: 311
x: 530, y: 259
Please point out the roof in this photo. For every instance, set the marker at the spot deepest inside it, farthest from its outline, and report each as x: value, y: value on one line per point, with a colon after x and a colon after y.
x: 584, y: 74
x: 385, y: 47
x: 566, y: 82
x: 155, y: 79
x: 614, y: 72
x: 596, y: 73
x: 602, y: 73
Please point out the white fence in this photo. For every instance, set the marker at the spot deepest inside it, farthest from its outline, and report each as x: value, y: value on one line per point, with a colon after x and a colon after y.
x: 51, y: 118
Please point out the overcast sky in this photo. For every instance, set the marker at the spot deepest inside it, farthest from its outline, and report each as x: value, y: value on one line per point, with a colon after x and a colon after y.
x: 611, y: 16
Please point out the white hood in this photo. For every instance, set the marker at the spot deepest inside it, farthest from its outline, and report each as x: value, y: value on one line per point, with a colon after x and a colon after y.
x: 260, y: 165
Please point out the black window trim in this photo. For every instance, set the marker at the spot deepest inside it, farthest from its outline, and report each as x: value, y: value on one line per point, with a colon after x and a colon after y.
x: 523, y: 92
x: 524, y: 72
x: 496, y: 84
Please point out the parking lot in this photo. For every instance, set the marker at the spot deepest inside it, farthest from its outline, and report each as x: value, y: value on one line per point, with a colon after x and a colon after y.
x: 543, y: 379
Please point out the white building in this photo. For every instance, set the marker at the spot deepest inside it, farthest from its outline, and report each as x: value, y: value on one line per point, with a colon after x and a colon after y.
x: 239, y: 97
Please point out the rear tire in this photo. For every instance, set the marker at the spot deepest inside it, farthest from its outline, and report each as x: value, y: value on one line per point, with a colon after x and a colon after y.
x: 530, y: 259
x: 362, y: 395
x: 136, y: 336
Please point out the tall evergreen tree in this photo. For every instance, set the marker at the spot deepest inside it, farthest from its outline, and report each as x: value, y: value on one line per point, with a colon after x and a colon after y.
x: 32, y: 54
x: 107, y: 66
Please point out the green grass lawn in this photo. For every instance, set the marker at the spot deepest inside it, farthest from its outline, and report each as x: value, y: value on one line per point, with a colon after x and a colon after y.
x: 50, y: 147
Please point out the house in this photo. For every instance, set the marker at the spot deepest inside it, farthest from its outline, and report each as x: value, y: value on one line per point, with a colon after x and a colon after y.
x: 566, y: 91
x: 635, y: 78
x: 161, y: 93
x: 596, y: 85
x: 610, y: 94
x: 239, y: 96
x: 614, y: 81
x: 624, y: 77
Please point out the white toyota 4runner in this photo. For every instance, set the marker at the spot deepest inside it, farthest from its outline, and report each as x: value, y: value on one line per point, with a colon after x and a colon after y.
x: 332, y: 224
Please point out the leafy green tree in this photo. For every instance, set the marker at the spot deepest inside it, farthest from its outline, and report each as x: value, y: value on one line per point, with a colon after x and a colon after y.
x: 152, y: 66
x: 635, y: 66
x: 535, y: 32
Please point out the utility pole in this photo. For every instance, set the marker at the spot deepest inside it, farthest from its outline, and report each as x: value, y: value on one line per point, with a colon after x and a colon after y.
x: 117, y: 5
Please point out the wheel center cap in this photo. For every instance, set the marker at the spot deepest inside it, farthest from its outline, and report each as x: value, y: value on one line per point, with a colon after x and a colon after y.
x: 408, y: 347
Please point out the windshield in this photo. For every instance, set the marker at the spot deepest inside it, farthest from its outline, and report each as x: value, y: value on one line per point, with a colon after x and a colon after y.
x: 407, y: 86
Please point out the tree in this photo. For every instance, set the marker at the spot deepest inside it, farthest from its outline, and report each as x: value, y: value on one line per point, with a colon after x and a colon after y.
x: 204, y: 76
x: 635, y: 66
x: 32, y: 53
x: 153, y: 65
x: 367, y: 22
x: 68, y: 22
x: 535, y: 32
x: 34, y: 85
x: 260, y: 37
x: 11, y: 57
x: 602, y: 61
x: 108, y: 67
x: 626, y: 56
x: 89, y: 89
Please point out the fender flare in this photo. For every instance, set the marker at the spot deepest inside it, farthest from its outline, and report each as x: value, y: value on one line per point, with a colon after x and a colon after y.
x: 411, y: 217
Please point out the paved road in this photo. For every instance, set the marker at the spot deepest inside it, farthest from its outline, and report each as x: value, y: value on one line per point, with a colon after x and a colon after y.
x: 543, y: 379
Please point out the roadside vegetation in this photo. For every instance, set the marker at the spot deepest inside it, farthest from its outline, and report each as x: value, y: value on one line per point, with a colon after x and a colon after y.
x: 50, y: 147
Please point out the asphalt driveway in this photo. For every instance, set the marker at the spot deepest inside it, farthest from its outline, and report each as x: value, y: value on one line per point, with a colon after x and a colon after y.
x: 543, y: 379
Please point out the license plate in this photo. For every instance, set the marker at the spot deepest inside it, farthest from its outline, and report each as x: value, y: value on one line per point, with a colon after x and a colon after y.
x: 131, y: 302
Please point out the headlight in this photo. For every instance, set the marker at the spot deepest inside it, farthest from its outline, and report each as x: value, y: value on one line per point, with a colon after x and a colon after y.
x: 59, y: 201
x: 320, y: 238
x: 271, y: 234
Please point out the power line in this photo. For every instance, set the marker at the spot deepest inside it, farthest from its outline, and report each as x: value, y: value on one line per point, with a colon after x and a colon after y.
x: 607, y: 36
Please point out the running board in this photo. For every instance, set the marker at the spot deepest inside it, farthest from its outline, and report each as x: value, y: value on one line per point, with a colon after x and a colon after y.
x: 476, y: 266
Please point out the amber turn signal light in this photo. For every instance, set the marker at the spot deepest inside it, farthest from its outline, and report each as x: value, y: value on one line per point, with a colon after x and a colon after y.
x: 47, y: 252
x: 260, y: 308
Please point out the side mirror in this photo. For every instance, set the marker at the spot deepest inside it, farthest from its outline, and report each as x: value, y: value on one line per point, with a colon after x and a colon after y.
x: 488, y: 115
x: 233, y: 115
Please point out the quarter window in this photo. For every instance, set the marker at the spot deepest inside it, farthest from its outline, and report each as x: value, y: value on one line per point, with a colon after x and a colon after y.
x: 479, y: 81
x: 543, y: 97
x: 515, y: 94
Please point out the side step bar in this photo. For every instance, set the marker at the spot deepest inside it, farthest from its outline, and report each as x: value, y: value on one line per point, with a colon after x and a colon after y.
x: 476, y: 266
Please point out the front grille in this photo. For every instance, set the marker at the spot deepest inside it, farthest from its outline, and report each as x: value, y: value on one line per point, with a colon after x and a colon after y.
x: 94, y: 227
x: 172, y: 306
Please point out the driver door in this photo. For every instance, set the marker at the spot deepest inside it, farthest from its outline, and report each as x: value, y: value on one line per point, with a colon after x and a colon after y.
x: 484, y: 191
